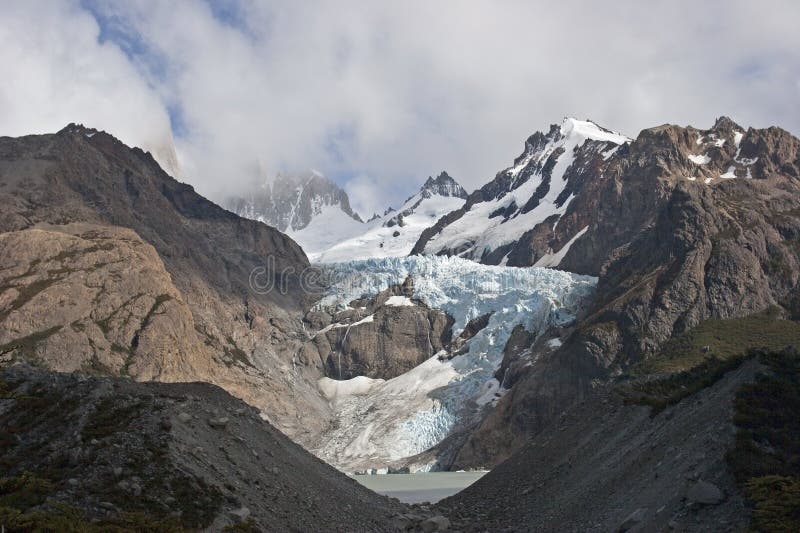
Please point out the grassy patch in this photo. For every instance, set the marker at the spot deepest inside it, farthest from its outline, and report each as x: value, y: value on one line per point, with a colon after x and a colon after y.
x: 765, y: 459
x: 661, y: 392
x: 67, y: 519
x: 26, y: 346
x: 236, y: 354
x: 26, y: 292
x: 110, y: 417
x: 724, y: 338
x: 24, y: 491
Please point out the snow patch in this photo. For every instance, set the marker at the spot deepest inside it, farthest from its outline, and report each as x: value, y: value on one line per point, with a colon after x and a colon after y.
x: 700, y: 159
x: 374, y: 240
x: 398, y: 301
x: 552, y: 260
x: 554, y: 343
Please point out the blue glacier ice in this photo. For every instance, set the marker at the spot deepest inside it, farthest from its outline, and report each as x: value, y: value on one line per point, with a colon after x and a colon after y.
x: 377, y: 421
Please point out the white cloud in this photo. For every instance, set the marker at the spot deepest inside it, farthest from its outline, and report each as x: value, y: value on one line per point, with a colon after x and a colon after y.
x: 384, y: 91
x: 56, y: 72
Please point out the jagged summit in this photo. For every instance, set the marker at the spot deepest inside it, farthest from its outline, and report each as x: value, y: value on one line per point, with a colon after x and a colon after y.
x: 536, y: 188
x: 726, y: 124
x: 289, y: 202
x: 394, y: 234
x: 443, y: 185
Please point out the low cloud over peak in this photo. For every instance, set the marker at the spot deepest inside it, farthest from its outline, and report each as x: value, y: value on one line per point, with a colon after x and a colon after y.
x: 380, y: 96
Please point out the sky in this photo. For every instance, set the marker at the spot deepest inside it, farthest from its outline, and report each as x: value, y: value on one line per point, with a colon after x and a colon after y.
x: 380, y: 95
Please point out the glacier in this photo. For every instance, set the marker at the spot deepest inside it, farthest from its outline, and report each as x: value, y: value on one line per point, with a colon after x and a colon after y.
x: 379, y: 422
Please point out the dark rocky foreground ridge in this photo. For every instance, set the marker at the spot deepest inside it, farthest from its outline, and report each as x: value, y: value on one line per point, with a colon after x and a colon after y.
x: 116, y: 455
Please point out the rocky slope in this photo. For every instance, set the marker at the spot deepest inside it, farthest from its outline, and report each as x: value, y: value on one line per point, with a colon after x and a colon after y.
x: 606, y: 466
x: 680, y: 225
x: 493, y: 226
x: 111, y: 266
x: 101, y: 454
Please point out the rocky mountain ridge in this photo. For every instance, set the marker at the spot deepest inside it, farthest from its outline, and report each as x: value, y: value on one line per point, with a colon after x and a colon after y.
x: 111, y: 266
x: 99, y: 454
x: 670, y: 252
x: 394, y: 234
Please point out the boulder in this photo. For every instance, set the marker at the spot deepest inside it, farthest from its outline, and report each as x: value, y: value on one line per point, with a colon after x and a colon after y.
x: 435, y: 523
x: 704, y: 493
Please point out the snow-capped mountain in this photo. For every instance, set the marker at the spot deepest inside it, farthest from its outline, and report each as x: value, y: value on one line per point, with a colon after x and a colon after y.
x: 395, y: 234
x: 536, y: 188
x: 309, y: 207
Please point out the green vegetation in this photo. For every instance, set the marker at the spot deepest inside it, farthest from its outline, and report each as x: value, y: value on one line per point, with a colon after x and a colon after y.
x: 248, y: 526
x: 725, y: 338
x: 690, y: 362
x: 766, y: 457
x: 661, y: 392
x: 24, y: 491
x: 111, y: 417
x: 66, y: 519
x: 26, y: 346
x: 33, y: 495
x: 236, y: 354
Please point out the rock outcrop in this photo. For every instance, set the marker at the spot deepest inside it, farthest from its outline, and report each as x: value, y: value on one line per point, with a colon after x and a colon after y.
x: 380, y: 337
x: 94, y: 299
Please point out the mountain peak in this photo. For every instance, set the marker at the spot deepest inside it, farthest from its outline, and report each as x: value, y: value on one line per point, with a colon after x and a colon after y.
x: 443, y: 185
x: 291, y: 201
x: 590, y: 130
x: 726, y: 124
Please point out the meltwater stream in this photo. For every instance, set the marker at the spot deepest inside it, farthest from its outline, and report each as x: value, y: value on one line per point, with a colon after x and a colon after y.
x: 380, y: 422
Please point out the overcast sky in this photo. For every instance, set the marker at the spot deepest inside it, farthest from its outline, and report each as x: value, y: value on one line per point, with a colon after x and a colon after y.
x: 379, y: 95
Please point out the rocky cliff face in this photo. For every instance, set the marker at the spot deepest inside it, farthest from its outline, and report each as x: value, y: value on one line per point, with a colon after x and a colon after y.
x: 379, y: 337
x: 111, y: 266
x: 538, y: 189
x: 681, y: 225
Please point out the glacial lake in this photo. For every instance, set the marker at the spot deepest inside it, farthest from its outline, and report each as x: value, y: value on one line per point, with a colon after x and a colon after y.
x: 422, y: 487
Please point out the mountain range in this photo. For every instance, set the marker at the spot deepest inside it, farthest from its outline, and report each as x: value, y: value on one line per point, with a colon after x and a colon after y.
x: 316, y: 213
x: 441, y: 335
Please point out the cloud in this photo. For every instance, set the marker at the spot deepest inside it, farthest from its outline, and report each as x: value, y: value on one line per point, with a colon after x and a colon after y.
x: 56, y: 72
x: 381, y: 95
